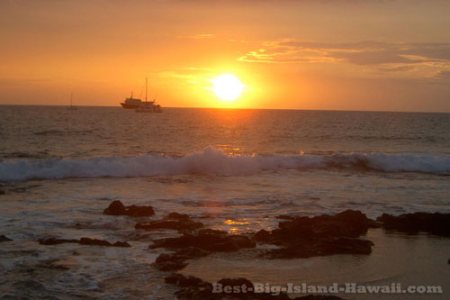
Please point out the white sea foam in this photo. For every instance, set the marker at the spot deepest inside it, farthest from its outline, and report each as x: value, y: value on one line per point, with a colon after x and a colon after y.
x: 214, y: 162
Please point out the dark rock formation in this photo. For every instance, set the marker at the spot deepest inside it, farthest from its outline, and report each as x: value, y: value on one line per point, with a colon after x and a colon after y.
x: 263, y: 236
x: 97, y: 242
x: 202, y: 243
x: 209, y: 240
x: 174, y: 221
x: 194, y: 288
x: 116, y: 208
x: 191, y: 287
x: 177, y: 261
x: 169, y: 262
x: 139, y: 211
x: 178, y: 216
x: 4, y: 238
x: 285, y: 217
x: 434, y: 223
x: 349, y: 223
x: 82, y: 241
x: 94, y: 242
x: 304, y: 237
x: 121, y: 244
x: 56, y: 241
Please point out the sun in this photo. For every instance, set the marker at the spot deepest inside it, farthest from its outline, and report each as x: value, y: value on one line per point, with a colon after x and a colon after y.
x: 227, y: 87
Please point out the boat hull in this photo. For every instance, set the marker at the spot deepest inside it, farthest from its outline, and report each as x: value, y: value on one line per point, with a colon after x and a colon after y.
x: 148, y: 110
x: 129, y: 106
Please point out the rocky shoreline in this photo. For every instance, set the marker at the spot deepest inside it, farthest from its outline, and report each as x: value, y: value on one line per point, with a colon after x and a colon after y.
x: 193, y: 288
x: 295, y: 237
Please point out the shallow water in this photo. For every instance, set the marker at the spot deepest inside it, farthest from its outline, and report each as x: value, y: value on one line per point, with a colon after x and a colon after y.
x: 396, y: 258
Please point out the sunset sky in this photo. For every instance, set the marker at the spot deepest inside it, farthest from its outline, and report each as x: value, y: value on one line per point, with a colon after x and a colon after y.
x: 308, y: 54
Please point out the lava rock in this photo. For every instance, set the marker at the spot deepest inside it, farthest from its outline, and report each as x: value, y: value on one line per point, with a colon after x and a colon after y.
x: 82, y: 241
x: 285, y: 217
x: 209, y: 241
x: 177, y: 261
x: 4, y: 238
x: 116, y: 208
x: 121, y: 244
x: 433, y: 223
x: 194, y: 288
x: 178, y: 216
x: 212, y: 232
x: 139, y: 211
x: 169, y: 262
x: 322, y: 235
x: 94, y: 242
x: 56, y: 241
x: 349, y: 223
x: 262, y: 236
x: 174, y: 221
x: 191, y: 287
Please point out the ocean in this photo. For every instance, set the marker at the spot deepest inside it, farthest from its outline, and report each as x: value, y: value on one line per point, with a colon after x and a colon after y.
x: 235, y: 170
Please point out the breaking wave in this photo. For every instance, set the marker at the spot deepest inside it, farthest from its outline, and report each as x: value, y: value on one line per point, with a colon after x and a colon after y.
x: 212, y: 161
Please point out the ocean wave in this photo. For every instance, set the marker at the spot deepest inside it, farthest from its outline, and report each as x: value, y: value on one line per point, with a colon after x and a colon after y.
x: 212, y: 161
x: 62, y: 132
x: 21, y: 154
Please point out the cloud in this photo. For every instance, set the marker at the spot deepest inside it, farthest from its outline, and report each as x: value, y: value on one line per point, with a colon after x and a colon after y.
x: 188, y: 75
x: 285, y: 52
x: 444, y: 75
x: 199, y: 36
x: 421, y: 59
x: 361, y: 53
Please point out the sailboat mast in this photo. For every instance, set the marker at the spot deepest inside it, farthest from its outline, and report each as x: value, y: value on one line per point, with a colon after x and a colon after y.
x: 146, y: 87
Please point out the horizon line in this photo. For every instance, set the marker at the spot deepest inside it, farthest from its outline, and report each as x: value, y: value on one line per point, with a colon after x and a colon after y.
x: 238, y: 108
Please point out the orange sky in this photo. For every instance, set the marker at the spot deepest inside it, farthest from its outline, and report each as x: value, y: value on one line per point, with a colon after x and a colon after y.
x: 305, y: 54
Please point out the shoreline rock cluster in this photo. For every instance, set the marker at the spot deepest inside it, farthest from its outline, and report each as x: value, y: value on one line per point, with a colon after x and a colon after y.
x: 193, y: 288
x: 199, y: 244
x: 414, y: 223
x: 295, y: 237
x: 303, y: 237
x: 195, y: 241
x: 116, y: 208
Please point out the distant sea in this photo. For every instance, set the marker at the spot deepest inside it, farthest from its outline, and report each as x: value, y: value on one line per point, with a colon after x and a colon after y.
x: 235, y: 169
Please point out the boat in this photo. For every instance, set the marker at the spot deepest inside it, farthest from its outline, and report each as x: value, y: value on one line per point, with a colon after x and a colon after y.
x: 149, y: 107
x: 71, y: 107
x: 131, y: 103
x: 143, y: 106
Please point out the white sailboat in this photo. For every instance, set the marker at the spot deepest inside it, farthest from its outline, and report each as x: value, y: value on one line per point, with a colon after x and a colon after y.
x: 71, y: 107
